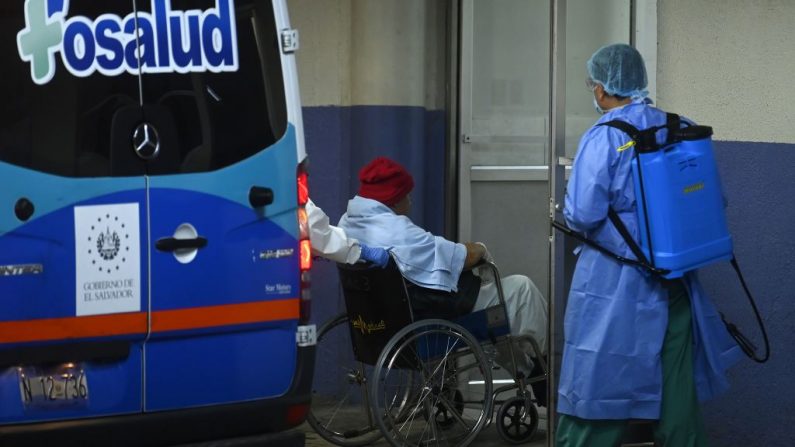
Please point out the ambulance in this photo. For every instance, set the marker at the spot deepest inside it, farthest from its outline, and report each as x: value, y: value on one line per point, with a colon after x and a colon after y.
x: 154, y: 260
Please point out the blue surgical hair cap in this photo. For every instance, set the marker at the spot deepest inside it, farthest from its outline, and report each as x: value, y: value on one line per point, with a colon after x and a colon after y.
x: 620, y: 69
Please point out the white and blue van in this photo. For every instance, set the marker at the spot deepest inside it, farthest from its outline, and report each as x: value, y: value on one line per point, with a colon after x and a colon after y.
x: 153, y: 262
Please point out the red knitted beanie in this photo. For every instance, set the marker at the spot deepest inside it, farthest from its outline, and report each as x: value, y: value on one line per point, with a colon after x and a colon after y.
x: 385, y: 180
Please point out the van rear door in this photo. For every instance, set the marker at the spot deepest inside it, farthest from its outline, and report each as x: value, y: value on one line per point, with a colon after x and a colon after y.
x: 73, y: 224
x: 225, y: 272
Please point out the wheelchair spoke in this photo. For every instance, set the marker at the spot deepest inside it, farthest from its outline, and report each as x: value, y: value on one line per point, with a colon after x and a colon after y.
x: 429, y: 351
x: 341, y: 416
x: 336, y: 410
x: 453, y: 411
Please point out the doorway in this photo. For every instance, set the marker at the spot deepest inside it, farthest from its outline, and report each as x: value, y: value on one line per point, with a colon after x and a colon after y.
x: 522, y: 106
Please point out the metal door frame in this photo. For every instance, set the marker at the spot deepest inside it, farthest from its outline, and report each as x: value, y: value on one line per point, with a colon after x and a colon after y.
x: 557, y: 181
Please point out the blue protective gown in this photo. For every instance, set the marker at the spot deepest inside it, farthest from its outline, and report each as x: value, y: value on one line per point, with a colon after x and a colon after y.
x: 616, y: 315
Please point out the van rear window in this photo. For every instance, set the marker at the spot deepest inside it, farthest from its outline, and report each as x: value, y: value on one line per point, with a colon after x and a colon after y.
x: 73, y: 91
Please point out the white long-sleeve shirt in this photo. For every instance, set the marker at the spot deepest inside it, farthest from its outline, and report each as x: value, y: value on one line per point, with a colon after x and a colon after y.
x: 329, y: 241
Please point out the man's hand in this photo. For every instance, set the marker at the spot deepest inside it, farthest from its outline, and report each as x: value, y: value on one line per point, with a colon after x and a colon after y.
x: 484, y: 272
x: 475, y: 252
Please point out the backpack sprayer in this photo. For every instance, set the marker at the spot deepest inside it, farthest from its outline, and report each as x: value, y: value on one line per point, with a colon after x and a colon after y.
x: 680, y: 204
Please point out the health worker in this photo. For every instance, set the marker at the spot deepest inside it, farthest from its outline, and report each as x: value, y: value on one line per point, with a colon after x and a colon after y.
x: 635, y: 347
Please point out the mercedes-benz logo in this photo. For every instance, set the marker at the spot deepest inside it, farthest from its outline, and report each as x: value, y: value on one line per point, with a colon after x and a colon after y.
x: 146, y: 142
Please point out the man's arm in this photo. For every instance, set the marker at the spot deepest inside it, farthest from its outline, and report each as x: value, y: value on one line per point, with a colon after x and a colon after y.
x: 475, y: 253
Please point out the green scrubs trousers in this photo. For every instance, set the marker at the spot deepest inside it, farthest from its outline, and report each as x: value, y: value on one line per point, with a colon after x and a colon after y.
x: 680, y: 423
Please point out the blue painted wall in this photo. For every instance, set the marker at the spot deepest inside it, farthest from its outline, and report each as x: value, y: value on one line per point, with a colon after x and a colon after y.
x: 759, y: 410
x: 339, y: 141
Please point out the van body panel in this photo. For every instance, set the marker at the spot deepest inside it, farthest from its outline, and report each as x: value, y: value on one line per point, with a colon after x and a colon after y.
x: 241, y: 308
x: 194, y: 332
x: 41, y: 310
x: 49, y: 240
x: 246, y: 365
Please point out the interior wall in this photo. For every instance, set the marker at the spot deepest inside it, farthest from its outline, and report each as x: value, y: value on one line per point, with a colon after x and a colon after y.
x: 728, y: 64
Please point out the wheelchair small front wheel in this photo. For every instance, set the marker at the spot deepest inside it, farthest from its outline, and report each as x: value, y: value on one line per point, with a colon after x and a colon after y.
x: 511, y: 426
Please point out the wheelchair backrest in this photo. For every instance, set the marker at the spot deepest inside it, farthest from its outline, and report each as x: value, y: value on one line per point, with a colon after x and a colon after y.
x: 377, y: 304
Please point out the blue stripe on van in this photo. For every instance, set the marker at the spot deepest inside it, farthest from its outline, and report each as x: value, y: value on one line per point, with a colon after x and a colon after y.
x: 50, y: 241
x: 233, y: 182
x: 236, y: 234
x: 49, y: 193
x: 229, y: 268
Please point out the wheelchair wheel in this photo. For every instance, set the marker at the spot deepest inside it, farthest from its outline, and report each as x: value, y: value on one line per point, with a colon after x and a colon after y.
x: 428, y: 355
x: 511, y: 427
x: 341, y: 416
x: 443, y: 414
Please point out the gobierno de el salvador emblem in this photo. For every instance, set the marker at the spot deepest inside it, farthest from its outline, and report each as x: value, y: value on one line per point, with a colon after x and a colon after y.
x: 109, y: 242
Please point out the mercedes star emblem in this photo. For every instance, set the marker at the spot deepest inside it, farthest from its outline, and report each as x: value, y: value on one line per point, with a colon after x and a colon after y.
x: 146, y: 142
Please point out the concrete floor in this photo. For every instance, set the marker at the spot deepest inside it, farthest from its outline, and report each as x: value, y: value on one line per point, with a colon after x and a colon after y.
x: 487, y: 437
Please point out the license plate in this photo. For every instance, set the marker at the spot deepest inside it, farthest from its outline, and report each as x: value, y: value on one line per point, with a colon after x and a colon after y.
x: 65, y: 384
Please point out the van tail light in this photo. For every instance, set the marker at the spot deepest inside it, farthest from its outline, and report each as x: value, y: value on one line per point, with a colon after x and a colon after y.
x: 303, y: 184
x: 304, y: 245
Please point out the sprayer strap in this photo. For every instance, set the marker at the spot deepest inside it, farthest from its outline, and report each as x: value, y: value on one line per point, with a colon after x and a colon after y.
x: 571, y: 233
x: 622, y: 229
x: 646, y: 139
x: 623, y: 126
x: 673, y: 123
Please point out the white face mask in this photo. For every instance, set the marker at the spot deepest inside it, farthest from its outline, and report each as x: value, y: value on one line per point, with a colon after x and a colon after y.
x: 599, y: 110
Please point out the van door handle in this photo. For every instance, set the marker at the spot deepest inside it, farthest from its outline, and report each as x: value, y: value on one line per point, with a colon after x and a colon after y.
x: 259, y: 196
x: 174, y: 244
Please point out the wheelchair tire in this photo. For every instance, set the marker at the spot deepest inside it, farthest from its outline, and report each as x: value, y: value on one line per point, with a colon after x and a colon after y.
x: 511, y: 427
x: 427, y: 355
x: 339, y: 419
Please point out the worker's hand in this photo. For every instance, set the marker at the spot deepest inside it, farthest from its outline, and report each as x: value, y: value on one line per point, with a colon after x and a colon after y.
x: 376, y: 255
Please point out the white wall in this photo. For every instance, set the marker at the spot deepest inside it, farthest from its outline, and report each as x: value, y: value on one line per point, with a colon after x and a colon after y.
x: 371, y: 52
x: 730, y: 64
x: 324, y: 58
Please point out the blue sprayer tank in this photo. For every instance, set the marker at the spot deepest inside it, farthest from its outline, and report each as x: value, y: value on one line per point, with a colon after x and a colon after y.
x: 680, y: 203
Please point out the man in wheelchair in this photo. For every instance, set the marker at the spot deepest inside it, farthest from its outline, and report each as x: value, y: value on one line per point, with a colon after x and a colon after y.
x: 442, y: 270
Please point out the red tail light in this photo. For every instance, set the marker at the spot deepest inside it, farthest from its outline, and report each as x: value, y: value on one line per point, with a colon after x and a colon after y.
x: 303, y: 185
x: 304, y: 245
x: 306, y: 255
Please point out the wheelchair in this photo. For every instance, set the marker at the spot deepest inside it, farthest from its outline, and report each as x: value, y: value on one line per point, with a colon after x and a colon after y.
x: 415, y: 382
